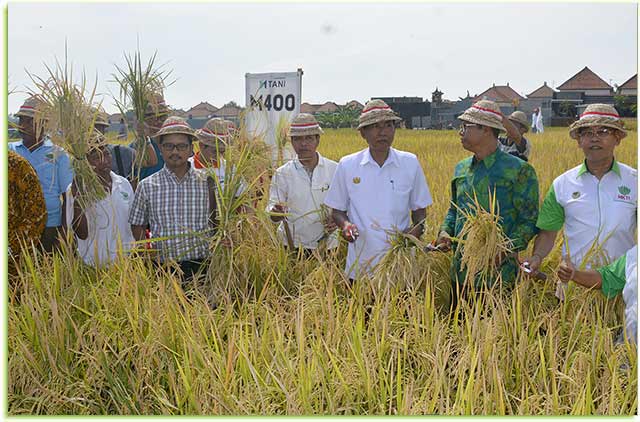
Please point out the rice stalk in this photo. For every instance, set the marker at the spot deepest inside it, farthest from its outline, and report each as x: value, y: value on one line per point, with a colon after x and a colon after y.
x: 140, y: 85
x: 68, y: 115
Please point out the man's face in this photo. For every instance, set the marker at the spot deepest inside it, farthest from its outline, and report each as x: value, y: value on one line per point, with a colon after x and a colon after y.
x: 379, y: 135
x: 176, y: 149
x: 305, y: 146
x: 598, y: 142
x: 472, y: 136
x: 100, y: 128
x: 26, y: 127
x: 521, y: 128
x: 210, y: 153
x: 100, y: 160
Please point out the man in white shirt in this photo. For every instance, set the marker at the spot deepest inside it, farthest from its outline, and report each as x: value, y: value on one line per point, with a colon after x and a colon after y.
x: 374, y: 191
x: 596, y: 202
x: 298, y: 190
x: 102, y: 230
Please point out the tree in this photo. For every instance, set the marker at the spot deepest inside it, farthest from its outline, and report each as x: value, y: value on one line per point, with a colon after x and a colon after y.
x: 343, y: 117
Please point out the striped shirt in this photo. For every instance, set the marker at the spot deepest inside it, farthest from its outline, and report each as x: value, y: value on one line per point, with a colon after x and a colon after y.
x: 177, y: 209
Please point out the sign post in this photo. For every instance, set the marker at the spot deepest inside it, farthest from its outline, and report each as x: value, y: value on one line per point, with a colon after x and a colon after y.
x: 272, y: 100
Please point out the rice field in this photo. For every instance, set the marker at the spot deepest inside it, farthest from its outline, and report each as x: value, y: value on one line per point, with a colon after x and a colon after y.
x: 291, y: 336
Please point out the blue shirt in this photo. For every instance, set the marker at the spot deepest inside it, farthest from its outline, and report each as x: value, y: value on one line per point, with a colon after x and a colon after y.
x: 54, y: 171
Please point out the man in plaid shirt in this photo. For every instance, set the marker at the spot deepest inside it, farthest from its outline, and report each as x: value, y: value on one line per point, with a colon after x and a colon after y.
x: 178, y: 202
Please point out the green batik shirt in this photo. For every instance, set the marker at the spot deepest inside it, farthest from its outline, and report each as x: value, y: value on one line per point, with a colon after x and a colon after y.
x: 516, y: 189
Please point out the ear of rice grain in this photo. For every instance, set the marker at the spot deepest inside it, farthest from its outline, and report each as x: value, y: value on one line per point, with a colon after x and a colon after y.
x: 482, y: 240
x: 68, y: 115
x: 139, y: 87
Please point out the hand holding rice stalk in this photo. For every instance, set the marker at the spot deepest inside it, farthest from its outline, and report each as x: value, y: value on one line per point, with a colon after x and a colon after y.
x: 68, y: 116
x: 483, y: 240
x: 140, y: 89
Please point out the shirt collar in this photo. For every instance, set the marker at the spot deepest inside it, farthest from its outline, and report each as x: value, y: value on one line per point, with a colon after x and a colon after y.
x: 189, y: 173
x: 614, y: 167
x: 298, y: 165
x: 392, y: 158
x: 46, y: 142
x: 489, y: 160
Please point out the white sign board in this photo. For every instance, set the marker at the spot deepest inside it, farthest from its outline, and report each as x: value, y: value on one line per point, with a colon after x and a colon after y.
x: 272, y: 101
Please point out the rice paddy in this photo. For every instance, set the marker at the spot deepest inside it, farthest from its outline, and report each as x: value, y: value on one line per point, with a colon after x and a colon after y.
x: 291, y: 336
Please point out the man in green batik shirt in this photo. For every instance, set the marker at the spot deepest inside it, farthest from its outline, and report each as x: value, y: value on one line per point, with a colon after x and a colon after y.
x: 489, y: 169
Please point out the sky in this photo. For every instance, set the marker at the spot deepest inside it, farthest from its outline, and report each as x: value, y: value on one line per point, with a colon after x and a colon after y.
x: 347, y: 50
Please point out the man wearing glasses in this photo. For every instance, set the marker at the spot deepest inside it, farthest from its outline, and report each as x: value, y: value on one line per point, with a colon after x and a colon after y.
x: 596, y: 202
x: 298, y: 189
x: 178, y: 202
x: 377, y: 192
x: 489, y: 171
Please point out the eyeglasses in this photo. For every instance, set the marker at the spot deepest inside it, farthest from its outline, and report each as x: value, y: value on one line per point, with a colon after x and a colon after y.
x: 303, y: 139
x: 463, y: 127
x: 600, y: 133
x: 171, y: 147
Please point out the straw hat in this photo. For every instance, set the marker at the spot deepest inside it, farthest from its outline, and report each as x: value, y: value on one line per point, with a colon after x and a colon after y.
x: 304, y: 124
x: 102, y: 119
x: 175, y: 124
x: 215, y: 130
x: 519, y: 117
x: 598, y: 115
x: 485, y: 113
x: 156, y: 106
x: 30, y: 107
x: 376, y: 111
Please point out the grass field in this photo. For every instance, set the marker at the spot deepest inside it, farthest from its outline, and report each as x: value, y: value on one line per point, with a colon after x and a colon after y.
x: 291, y: 337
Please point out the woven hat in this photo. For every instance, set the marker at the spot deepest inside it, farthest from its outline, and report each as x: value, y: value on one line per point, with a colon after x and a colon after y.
x: 485, y: 113
x: 30, y: 107
x: 519, y: 117
x: 598, y: 115
x: 215, y: 130
x: 375, y: 111
x: 175, y: 124
x: 156, y: 106
x: 102, y: 119
x: 304, y: 124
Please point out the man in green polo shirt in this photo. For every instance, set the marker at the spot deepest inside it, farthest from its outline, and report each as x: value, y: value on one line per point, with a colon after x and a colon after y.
x: 516, y: 190
x: 595, y: 202
x: 621, y: 276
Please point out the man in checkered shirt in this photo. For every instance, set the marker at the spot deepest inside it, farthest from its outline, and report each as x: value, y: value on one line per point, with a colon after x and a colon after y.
x: 178, y: 202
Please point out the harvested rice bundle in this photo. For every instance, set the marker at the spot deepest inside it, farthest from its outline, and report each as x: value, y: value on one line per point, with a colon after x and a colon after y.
x: 482, y: 240
x: 68, y: 115
x: 140, y: 89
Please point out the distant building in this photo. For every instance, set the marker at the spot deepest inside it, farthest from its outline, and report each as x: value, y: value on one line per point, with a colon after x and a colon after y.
x: 573, y: 96
x: 630, y: 87
x: 506, y: 97
x: 355, y: 104
x: 444, y: 113
x: 204, y: 110
x: 328, y: 107
x: 414, y: 112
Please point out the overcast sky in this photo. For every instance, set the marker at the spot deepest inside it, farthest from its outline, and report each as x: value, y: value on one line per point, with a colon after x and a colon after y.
x: 347, y: 51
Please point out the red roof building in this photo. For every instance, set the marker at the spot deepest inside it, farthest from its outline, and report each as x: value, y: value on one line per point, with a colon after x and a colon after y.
x: 630, y: 87
x: 504, y: 95
x: 588, y: 82
x: 545, y: 91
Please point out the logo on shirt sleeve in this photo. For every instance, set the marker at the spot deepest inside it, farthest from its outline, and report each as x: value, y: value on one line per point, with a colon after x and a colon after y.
x: 125, y: 196
x: 575, y: 195
x: 356, y: 180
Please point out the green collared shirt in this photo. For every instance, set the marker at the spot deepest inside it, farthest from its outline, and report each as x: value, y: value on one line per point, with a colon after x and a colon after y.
x: 516, y: 190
